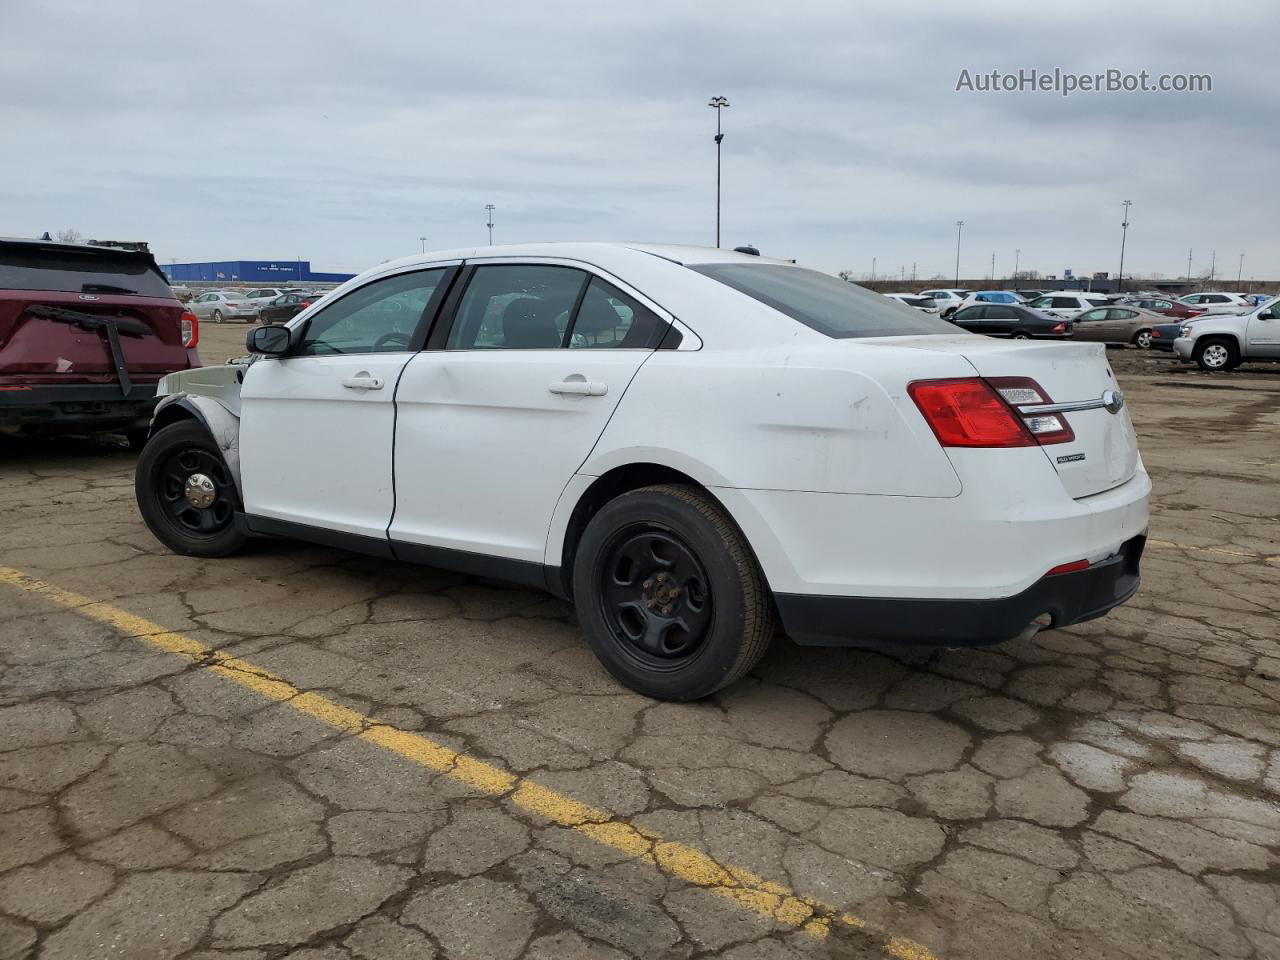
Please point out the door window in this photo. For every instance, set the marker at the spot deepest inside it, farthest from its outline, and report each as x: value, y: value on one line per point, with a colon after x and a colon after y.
x: 380, y: 317
x: 1001, y: 313
x: 516, y: 307
x: 608, y: 317
x: 969, y: 313
x: 1064, y: 303
x: 1090, y: 315
x: 1123, y: 314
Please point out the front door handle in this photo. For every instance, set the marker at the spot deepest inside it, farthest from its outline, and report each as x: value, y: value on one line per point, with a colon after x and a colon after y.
x: 579, y: 386
x: 362, y: 381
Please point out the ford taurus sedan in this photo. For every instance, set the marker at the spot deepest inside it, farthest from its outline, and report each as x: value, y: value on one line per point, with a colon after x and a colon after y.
x: 691, y: 444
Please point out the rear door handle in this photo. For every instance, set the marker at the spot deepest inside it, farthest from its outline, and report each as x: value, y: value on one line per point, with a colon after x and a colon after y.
x: 362, y: 381
x: 579, y: 386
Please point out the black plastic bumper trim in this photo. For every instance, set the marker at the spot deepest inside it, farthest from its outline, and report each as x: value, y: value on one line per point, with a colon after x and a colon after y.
x: 1067, y: 598
x: 70, y: 404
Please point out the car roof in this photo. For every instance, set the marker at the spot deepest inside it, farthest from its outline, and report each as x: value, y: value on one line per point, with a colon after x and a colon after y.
x: 590, y: 252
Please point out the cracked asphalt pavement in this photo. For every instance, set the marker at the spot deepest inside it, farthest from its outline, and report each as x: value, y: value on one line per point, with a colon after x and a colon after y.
x: 305, y: 753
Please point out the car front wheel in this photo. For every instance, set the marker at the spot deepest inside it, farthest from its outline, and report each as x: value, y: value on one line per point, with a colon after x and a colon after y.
x: 1216, y: 355
x: 670, y: 596
x: 186, y: 493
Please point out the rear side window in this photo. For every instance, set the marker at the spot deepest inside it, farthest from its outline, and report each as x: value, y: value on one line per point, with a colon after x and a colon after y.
x: 823, y: 303
x: 79, y: 270
x: 610, y: 318
x: 1061, y: 303
x: 516, y: 307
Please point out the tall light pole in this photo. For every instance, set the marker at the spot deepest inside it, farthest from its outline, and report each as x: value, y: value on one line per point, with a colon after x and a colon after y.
x: 1213, y: 266
x: 718, y: 104
x: 1017, y: 258
x: 1124, y: 232
x: 424, y: 244
x: 993, y: 266
x: 1189, y: 252
x: 959, y: 227
x: 489, y: 208
x: 1240, y: 269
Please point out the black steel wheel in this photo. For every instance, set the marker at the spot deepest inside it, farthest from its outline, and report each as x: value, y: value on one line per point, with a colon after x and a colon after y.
x: 186, y: 493
x: 669, y: 593
x: 655, y: 596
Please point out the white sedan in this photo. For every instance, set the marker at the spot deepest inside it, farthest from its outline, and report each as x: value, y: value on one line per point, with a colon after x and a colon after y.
x: 689, y: 443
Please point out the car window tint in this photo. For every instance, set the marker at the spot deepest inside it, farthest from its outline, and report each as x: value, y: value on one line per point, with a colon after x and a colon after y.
x: 610, y: 318
x: 1001, y: 313
x: 968, y: 313
x: 516, y: 307
x: 1092, y: 315
x: 823, y: 303
x: 1064, y: 302
x: 379, y: 317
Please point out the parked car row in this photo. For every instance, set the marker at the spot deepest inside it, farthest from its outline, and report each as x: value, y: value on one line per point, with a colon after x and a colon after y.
x: 268, y: 304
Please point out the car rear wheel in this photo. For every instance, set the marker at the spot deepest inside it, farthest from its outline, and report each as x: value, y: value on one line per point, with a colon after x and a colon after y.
x: 1142, y: 339
x: 186, y: 493
x: 217, y: 316
x: 670, y: 596
x: 1216, y: 355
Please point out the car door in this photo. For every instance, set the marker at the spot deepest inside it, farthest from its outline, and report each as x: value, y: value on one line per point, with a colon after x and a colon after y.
x: 1091, y: 325
x: 317, y: 425
x: 1262, y: 333
x: 500, y: 411
x: 200, y: 305
x: 971, y: 319
x: 1001, y: 320
x: 1123, y: 324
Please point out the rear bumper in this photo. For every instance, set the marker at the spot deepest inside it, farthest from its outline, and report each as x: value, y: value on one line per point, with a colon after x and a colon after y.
x: 1066, y: 598
x: 77, y: 406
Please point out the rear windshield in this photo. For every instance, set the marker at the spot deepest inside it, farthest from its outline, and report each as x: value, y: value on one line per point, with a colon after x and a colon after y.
x: 71, y: 270
x: 824, y: 303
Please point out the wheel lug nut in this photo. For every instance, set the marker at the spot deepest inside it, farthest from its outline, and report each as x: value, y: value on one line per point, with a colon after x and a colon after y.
x: 666, y: 609
x: 648, y: 584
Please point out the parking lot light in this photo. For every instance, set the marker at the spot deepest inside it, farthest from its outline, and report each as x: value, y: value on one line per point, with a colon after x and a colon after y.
x: 1124, y: 230
x: 718, y: 104
x: 489, y: 208
x: 959, y: 227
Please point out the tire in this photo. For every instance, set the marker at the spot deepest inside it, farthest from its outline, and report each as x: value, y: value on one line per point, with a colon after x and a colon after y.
x: 1142, y: 339
x: 1019, y: 335
x: 180, y: 452
x: 948, y: 314
x: 216, y: 316
x: 686, y: 636
x: 1216, y: 353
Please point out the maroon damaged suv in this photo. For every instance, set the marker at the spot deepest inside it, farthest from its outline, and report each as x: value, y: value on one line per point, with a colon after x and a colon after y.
x: 86, y: 331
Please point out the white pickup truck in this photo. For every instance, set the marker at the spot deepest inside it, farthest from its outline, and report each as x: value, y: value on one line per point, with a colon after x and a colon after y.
x: 1224, y: 341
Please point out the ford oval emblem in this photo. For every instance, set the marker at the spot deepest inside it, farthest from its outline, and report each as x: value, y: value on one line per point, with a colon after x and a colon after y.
x: 1113, y: 400
x: 87, y: 296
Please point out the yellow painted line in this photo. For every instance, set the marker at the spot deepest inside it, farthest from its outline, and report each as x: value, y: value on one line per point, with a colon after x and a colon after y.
x: 736, y: 884
x: 1220, y: 551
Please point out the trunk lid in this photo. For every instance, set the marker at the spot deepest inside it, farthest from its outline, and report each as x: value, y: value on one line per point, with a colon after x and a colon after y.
x: 1104, y: 453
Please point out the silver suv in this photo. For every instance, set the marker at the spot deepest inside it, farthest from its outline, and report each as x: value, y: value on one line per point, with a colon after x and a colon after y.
x: 1222, y: 341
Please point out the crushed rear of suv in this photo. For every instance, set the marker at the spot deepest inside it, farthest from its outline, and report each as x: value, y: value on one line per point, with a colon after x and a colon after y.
x: 86, y: 333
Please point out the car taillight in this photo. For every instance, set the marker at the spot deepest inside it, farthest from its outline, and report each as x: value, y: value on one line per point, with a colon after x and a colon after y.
x: 968, y: 413
x: 305, y: 304
x: 1059, y: 328
x: 1023, y: 392
x: 190, y: 330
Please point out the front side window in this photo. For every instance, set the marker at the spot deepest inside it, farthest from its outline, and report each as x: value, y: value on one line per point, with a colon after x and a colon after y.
x: 380, y: 317
x: 969, y: 313
x: 823, y: 303
x: 1064, y: 303
x: 516, y: 307
x: 1089, y: 315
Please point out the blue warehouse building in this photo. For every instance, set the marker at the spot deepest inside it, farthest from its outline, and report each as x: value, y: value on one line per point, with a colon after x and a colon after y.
x: 273, y: 272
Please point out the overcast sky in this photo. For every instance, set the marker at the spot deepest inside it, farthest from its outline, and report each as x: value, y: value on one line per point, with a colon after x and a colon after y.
x: 341, y: 132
